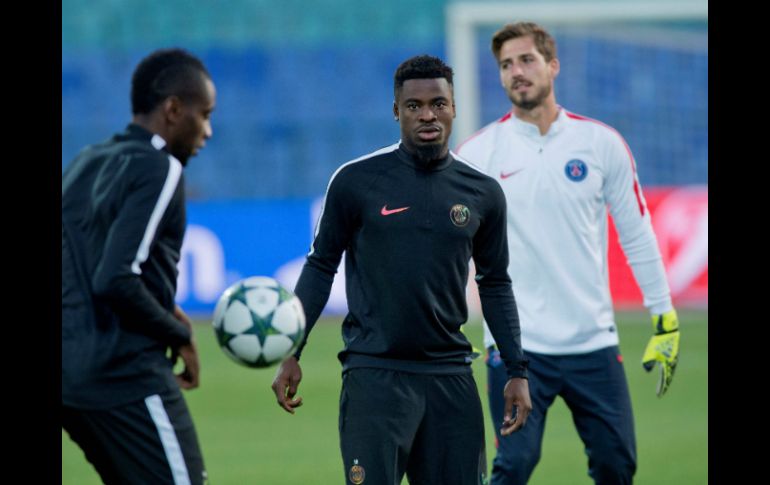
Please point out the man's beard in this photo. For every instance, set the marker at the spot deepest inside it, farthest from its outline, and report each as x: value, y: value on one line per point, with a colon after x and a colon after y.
x: 426, y: 154
x: 533, y: 102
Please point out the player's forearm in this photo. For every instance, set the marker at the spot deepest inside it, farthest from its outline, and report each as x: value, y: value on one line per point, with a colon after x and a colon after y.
x: 651, y: 278
x: 640, y: 246
x: 140, y: 312
x: 499, y: 308
x: 646, y: 264
x: 313, y: 289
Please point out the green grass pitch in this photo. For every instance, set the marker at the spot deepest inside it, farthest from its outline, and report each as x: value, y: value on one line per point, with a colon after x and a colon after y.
x: 247, y: 438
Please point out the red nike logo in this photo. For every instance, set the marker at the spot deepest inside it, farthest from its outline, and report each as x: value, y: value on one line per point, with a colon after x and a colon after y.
x: 386, y: 212
x: 506, y: 175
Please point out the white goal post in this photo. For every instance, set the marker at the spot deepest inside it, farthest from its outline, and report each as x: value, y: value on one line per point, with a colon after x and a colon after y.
x: 463, y: 18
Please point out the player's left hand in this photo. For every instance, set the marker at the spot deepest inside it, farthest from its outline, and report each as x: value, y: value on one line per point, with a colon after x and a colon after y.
x: 189, y: 378
x: 180, y: 315
x: 516, y: 394
x: 663, y: 348
x: 184, y: 319
x: 285, y: 384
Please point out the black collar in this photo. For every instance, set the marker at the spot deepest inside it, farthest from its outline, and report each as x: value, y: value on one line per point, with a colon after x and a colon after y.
x: 136, y: 132
x: 418, y: 164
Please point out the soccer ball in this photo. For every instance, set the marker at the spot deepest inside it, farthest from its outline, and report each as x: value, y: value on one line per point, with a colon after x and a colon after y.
x: 258, y: 322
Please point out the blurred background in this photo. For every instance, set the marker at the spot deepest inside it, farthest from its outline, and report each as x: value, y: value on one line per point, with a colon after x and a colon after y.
x: 304, y: 86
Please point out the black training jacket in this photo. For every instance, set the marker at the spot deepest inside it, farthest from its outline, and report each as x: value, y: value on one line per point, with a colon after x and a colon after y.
x: 123, y: 221
x: 408, y: 233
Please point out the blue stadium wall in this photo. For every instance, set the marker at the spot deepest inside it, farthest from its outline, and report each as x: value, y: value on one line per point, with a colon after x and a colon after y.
x: 305, y: 86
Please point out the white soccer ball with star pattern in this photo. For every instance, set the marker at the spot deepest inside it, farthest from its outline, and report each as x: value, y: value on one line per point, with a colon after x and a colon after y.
x: 258, y: 322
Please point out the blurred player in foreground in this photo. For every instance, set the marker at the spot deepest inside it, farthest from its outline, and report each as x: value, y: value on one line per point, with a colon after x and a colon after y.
x: 123, y: 221
x: 559, y: 172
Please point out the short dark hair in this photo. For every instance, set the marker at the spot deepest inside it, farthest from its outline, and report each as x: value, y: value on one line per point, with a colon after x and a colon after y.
x: 544, y: 42
x: 421, y: 67
x: 164, y: 73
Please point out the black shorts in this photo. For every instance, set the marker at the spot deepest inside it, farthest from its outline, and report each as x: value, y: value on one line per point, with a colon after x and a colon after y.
x: 147, y: 441
x: 430, y: 427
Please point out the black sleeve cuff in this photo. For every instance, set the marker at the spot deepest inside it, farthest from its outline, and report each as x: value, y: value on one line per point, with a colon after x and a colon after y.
x: 519, y: 370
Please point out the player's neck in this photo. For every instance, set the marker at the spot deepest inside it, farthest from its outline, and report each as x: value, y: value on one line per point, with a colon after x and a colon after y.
x: 541, y: 116
x: 152, y: 123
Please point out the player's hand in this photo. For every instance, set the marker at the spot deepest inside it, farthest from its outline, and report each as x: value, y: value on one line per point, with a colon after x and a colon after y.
x: 516, y: 394
x: 286, y: 383
x: 180, y: 315
x: 189, y: 378
x: 663, y: 348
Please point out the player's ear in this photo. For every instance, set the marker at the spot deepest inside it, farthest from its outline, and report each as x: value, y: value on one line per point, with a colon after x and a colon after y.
x: 172, y: 108
x: 395, y: 110
x: 555, y: 67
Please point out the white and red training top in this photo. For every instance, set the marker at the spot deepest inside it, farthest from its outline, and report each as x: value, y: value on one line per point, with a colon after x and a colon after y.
x: 558, y: 188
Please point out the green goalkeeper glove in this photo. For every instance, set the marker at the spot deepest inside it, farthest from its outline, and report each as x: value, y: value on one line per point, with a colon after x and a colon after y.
x: 663, y: 348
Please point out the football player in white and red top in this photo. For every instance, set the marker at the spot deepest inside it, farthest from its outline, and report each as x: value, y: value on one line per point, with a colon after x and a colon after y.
x: 560, y: 172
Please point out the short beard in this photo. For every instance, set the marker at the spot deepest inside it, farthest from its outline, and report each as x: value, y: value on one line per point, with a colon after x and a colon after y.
x: 534, y: 102
x: 528, y: 105
x: 426, y: 154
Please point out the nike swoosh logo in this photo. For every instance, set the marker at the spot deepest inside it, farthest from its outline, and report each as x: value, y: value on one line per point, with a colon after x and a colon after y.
x: 386, y: 212
x: 506, y: 175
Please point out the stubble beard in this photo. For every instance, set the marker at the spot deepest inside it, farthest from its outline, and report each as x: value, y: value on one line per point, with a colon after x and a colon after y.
x: 531, y: 103
x: 429, y: 153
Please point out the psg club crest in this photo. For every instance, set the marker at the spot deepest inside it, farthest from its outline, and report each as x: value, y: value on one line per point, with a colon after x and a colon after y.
x: 357, y: 474
x: 576, y: 170
x: 460, y: 215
